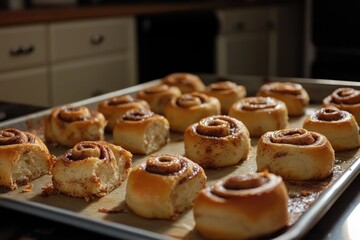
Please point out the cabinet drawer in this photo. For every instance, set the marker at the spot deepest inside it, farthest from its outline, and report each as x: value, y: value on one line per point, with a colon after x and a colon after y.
x: 23, y: 46
x: 78, y: 80
x: 251, y: 19
x: 25, y: 86
x: 85, y: 38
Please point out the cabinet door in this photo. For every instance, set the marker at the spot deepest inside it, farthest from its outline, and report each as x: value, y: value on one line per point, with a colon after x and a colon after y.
x: 246, y: 53
x: 78, y: 80
x: 25, y: 86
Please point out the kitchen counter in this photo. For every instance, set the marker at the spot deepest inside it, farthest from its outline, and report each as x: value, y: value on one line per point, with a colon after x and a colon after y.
x: 53, y: 14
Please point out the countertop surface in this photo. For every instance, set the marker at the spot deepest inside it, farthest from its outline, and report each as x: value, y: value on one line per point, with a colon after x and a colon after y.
x: 71, y: 12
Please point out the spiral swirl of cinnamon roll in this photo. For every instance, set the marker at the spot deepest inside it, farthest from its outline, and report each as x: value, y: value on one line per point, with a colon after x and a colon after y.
x: 186, y: 82
x: 91, y: 169
x: 293, y: 95
x: 217, y: 141
x: 339, y: 127
x: 141, y: 131
x: 347, y: 99
x: 260, y: 114
x: 23, y: 156
x: 164, y: 186
x: 115, y: 107
x: 295, y: 154
x: 227, y: 92
x: 194, y: 106
x: 158, y: 96
x: 70, y: 125
x: 257, y: 200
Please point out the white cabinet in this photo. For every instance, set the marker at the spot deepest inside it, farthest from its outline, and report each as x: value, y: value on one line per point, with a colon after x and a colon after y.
x: 57, y: 63
x: 91, y: 57
x: 262, y: 40
x: 23, y: 64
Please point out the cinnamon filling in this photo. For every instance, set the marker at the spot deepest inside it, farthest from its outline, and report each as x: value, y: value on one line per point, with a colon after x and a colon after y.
x: 72, y: 114
x: 215, y: 127
x: 85, y: 150
x: 157, y: 89
x: 257, y: 103
x: 222, y: 86
x: 245, y: 182
x: 330, y: 114
x: 191, y: 99
x: 298, y: 136
x: 121, y: 100
x: 164, y: 164
x: 137, y: 115
x: 10, y: 136
x: 346, y: 96
x: 287, y: 88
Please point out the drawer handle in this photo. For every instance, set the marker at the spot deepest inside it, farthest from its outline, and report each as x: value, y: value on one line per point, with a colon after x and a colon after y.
x: 97, y: 39
x: 17, y: 51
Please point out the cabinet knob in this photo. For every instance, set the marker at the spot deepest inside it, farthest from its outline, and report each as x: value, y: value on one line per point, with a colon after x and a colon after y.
x: 97, y: 39
x: 21, y: 50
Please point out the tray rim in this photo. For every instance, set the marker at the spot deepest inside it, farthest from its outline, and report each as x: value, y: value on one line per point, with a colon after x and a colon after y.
x: 305, y: 223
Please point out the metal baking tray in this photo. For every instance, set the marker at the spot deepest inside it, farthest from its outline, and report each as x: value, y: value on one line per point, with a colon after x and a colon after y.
x: 308, y: 202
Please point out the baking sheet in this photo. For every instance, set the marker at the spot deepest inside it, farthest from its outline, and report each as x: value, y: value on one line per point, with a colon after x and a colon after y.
x: 308, y: 201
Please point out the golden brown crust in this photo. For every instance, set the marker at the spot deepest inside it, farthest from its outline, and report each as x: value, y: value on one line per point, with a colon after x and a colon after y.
x: 339, y: 127
x: 164, y: 186
x: 69, y: 125
x: 91, y: 169
x: 23, y: 158
x: 141, y: 131
x: 189, y: 108
x: 186, y: 82
x: 217, y: 141
x: 295, y: 154
x: 115, y: 107
x: 292, y: 94
x: 249, y: 206
x: 158, y: 96
x: 347, y: 99
x: 227, y: 92
x: 260, y: 114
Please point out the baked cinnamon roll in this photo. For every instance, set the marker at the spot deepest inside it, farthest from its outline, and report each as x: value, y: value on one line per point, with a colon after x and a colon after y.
x: 295, y: 154
x: 186, y: 82
x: 91, y: 169
x: 70, y: 125
x: 217, y: 141
x: 227, y: 92
x: 339, y: 127
x: 293, y: 95
x: 242, y: 207
x: 260, y: 114
x: 164, y: 186
x: 158, y: 96
x: 23, y: 158
x: 141, y: 131
x: 347, y: 99
x: 115, y: 107
x: 189, y: 108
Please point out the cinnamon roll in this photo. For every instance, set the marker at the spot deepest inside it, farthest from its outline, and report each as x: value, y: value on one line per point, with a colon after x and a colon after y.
x: 115, y: 107
x: 164, y: 186
x: 189, y: 108
x: 217, y: 141
x: 91, y: 169
x: 295, y: 154
x: 186, y: 82
x: 260, y: 114
x: 347, y: 99
x: 141, y: 131
x: 158, y: 96
x: 339, y: 127
x: 70, y: 125
x: 227, y: 92
x: 23, y: 158
x: 242, y: 207
x: 293, y: 95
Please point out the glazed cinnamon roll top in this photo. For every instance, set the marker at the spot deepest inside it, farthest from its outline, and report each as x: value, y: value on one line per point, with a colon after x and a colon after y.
x: 257, y: 103
x: 166, y: 164
x: 10, y: 136
x: 71, y: 114
x: 189, y: 100
x: 186, y: 82
x: 88, y: 149
x: 295, y: 136
x: 137, y: 115
x: 217, y: 126
x: 330, y: 114
x: 284, y: 87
